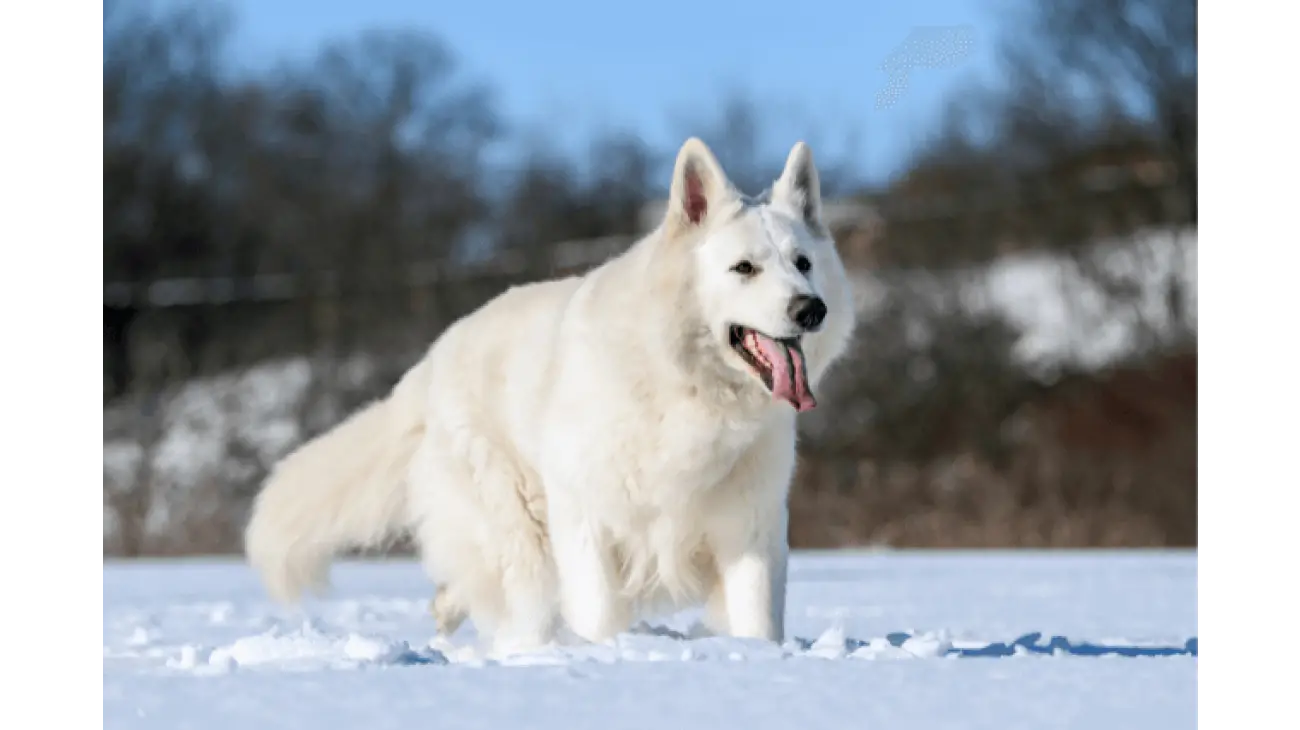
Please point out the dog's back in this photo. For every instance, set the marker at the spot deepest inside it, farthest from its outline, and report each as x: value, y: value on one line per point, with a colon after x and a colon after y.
x: 496, y: 362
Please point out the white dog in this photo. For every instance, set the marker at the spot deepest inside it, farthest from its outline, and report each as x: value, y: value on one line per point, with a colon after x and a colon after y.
x: 595, y: 447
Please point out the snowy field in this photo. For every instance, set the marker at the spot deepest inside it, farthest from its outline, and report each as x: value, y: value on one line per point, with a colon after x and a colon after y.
x: 1017, y: 640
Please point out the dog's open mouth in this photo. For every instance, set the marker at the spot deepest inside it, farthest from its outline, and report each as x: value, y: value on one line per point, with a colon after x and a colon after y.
x: 778, y: 363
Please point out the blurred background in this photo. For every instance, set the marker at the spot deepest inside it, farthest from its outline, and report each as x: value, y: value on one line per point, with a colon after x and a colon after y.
x: 299, y: 196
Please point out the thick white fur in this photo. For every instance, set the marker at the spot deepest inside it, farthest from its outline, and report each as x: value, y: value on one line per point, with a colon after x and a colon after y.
x: 588, y: 448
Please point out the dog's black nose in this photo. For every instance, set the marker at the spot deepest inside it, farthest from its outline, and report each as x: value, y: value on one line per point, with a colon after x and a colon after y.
x: 808, y: 312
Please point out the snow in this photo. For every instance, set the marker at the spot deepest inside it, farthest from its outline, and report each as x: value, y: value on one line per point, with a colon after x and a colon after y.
x: 897, y: 640
x: 1089, y: 310
x: 261, y: 408
x: 1096, y: 309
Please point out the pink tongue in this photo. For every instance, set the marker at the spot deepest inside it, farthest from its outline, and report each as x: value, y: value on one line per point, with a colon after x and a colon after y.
x: 789, y: 378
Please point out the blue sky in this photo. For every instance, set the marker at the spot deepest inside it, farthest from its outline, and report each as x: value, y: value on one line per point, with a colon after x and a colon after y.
x: 571, y: 68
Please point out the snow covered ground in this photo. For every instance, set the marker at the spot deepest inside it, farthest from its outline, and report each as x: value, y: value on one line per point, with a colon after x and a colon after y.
x: 1105, y: 303
x: 1017, y: 640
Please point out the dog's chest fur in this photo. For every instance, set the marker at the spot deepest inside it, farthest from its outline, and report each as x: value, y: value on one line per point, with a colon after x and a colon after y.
x: 687, y: 449
x: 669, y: 500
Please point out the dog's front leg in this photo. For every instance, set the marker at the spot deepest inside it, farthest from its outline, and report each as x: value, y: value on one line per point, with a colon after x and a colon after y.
x: 747, y: 530
x: 592, y: 604
x: 752, y: 575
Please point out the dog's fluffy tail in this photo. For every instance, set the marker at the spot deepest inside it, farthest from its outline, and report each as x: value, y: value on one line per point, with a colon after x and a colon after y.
x: 346, y: 488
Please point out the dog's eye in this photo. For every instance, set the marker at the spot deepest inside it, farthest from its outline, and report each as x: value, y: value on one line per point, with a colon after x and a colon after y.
x: 802, y: 264
x: 744, y: 268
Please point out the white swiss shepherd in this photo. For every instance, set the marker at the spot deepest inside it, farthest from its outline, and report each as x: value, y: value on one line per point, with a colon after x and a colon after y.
x: 595, y: 447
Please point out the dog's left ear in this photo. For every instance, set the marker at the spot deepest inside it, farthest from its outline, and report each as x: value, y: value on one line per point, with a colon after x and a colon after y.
x: 700, y: 189
x: 799, y: 187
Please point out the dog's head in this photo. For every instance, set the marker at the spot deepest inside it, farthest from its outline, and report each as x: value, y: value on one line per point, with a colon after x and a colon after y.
x: 765, y: 275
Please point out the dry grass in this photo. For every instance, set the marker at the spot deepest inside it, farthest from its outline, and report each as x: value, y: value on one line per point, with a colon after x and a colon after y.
x: 1099, y: 462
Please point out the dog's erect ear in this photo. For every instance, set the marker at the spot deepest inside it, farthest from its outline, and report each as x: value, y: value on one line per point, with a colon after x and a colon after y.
x: 799, y: 187
x: 699, y: 186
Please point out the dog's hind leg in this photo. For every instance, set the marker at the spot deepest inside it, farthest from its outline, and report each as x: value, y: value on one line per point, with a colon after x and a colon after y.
x: 479, y: 538
x: 448, y: 613
x: 516, y: 512
x: 447, y: 520
x: 715, y: 609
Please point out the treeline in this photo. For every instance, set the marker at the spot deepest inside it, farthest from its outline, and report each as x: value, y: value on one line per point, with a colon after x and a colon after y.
x: 376, y: 150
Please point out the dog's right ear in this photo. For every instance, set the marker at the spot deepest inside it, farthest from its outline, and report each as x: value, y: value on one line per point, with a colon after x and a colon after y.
x: 698, y: 189
x: 799, y: 185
